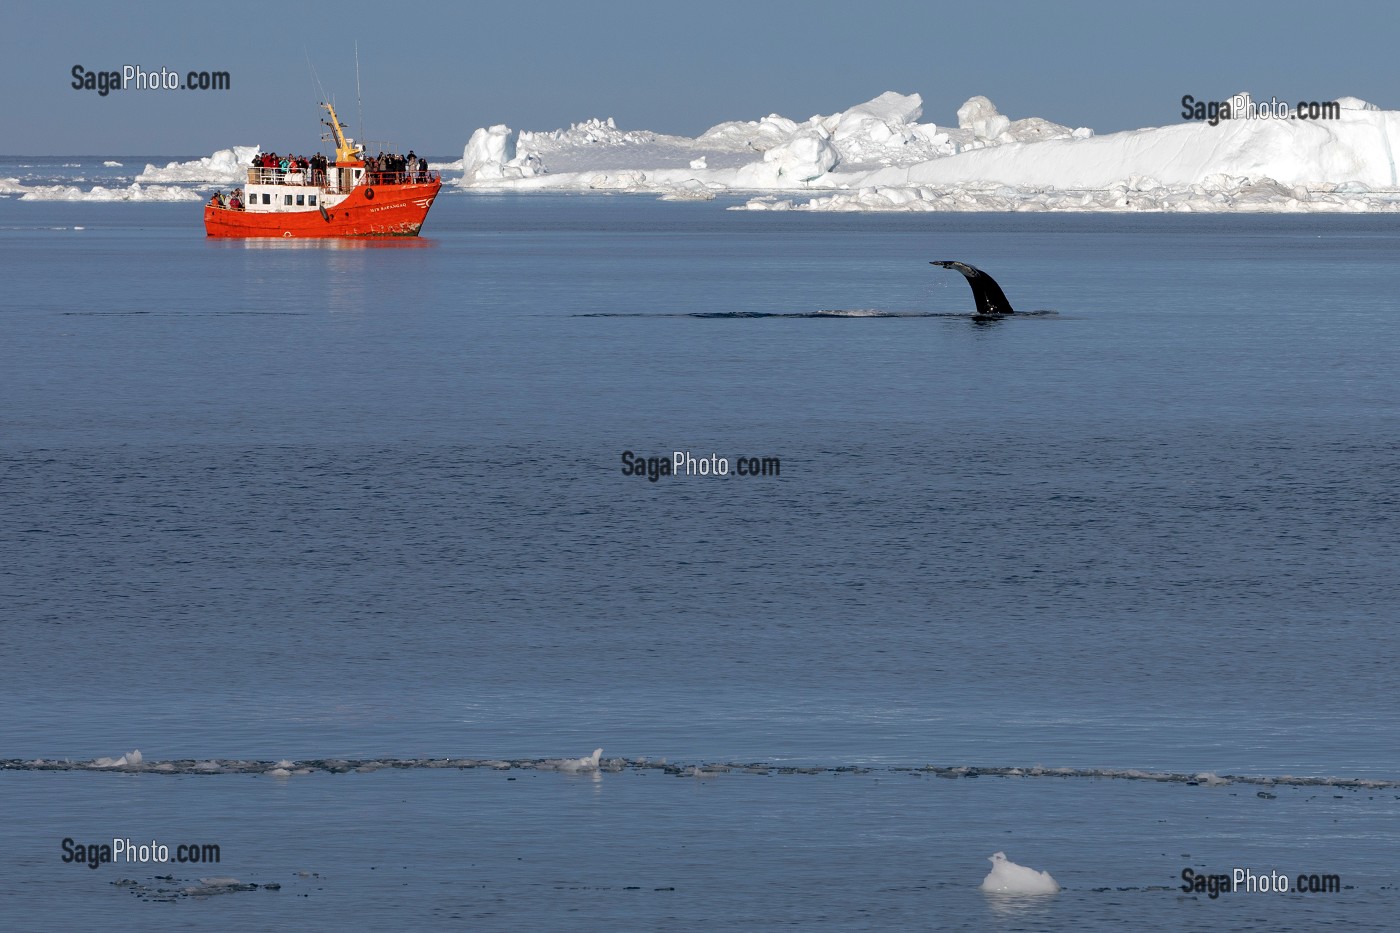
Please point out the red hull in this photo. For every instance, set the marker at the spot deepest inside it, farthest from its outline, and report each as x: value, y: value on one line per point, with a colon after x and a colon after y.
x: 369, y: 210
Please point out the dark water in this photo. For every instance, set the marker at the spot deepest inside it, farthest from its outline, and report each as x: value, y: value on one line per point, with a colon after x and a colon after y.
x: 292, y: 500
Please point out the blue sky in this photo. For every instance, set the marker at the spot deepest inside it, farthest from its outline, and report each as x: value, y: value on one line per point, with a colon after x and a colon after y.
x: 431, y: 74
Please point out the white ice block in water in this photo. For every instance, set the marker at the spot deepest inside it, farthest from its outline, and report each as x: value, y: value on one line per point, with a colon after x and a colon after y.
x: 1006, y: 877
x: 588, y: 763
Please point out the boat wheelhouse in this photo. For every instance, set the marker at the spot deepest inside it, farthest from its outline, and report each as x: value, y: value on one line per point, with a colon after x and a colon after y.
x: 349, y: 197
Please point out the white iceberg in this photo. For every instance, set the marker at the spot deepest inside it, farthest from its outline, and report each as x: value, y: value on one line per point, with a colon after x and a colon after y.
x: 878, y: 156
x: 487, y: 155
x: 224, y: 167
x: 804, y: 157
x: 1006, y: 877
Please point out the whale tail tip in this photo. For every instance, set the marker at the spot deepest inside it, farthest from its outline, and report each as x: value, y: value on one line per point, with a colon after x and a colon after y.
x: 985, y: 290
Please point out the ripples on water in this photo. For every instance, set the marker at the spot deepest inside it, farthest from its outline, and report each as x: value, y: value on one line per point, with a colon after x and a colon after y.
x: 366, y: 504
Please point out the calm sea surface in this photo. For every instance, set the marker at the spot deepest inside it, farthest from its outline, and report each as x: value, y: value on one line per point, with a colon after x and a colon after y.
x: 310, y: 501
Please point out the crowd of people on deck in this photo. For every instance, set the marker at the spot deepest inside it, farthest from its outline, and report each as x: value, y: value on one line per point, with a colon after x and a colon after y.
x: 391, y: 168
x: 300, y: 170
x: 228, y: 202
x: 291, y: 169
x: 396, y: 169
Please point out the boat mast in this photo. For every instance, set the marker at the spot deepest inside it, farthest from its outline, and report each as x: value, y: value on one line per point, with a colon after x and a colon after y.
x: 344, y: 151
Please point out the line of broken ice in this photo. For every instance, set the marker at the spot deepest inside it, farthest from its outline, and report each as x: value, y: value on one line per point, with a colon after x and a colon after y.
x: 226, y: 167
x: 134, y: 761
x: 98, y: 193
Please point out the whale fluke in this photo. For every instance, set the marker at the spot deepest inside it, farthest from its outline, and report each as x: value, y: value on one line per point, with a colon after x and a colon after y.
x: 988, y: 294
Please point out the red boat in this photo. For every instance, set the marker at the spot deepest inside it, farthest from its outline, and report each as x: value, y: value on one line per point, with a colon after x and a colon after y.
x: 348, y: 199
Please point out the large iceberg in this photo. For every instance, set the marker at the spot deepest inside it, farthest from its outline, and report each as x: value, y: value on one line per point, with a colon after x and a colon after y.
x: 877, y: 155
x: 490, y: 156
x: 224, y: 167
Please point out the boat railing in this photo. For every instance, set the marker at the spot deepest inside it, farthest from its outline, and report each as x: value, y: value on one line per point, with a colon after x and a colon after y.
x: 326, y: 180
x: 400, y: 178
x: 278, y: 176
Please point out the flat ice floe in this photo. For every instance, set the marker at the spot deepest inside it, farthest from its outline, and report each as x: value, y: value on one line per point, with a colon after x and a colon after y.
x: 877, y: 156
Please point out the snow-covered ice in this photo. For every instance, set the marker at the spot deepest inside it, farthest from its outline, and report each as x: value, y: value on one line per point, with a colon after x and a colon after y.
x: 882, y: 155
x: 878, y: 156
x: 224, y: 167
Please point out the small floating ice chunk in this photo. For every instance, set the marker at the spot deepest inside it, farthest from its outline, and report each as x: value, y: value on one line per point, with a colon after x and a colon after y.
x: 130, y: 758
x: 219, y: 886
x: 575, y: 765
x: 110, y: 164
x: 279, y: 773
x: 1006, y: 877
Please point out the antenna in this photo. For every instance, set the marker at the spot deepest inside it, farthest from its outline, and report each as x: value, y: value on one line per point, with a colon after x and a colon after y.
x: 359, y: 103
x: 314, y: 77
